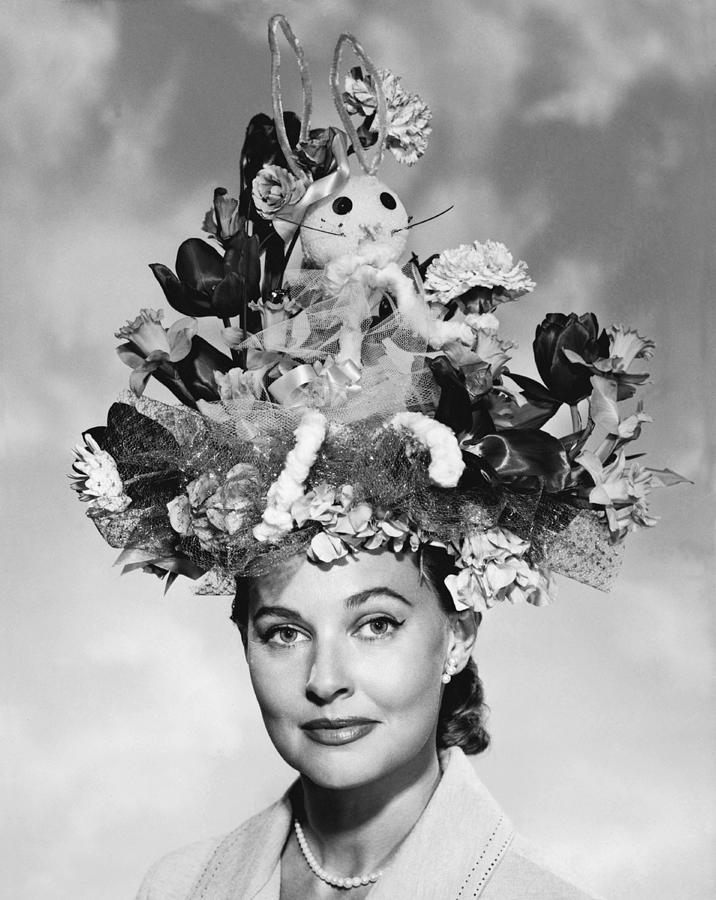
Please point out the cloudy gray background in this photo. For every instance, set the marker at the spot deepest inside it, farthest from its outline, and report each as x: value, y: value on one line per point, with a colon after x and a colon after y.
x: 573, y: 131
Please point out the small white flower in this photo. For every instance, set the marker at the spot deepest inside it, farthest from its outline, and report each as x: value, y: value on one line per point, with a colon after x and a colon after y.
x: 237, y: 384
x: 96, y: 478
x: 493, y: 569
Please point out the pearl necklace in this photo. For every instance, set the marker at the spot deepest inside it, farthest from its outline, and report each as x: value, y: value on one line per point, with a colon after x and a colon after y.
x: 320, y: 872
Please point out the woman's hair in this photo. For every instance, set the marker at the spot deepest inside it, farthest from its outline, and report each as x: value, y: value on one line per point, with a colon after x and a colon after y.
x: 463, y: 711
x: 461, y: 720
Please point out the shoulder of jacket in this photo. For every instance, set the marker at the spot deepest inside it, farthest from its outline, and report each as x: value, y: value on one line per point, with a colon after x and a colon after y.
x: 526, y: 871
x: 173, y: 876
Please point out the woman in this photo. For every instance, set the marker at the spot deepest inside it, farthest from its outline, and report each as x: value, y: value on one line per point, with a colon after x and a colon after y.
x: 365, y: 465
x: 363, y: 674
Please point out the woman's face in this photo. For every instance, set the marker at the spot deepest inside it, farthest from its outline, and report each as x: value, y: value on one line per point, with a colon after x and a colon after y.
x: 346, y: 663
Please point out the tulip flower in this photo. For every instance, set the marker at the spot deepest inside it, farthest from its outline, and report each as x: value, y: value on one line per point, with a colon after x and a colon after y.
x: 209, y: 284
x: 566, y: 380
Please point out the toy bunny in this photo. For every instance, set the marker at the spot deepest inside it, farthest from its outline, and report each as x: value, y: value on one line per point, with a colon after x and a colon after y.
x: 353, y: 227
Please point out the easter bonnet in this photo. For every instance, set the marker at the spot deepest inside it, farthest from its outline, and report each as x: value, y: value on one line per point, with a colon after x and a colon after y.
x: 364, y: 400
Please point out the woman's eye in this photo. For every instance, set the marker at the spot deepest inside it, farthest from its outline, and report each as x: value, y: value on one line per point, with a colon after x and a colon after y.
x: 342, y: 205
x: 381, y: 626
x: 285, y: 636
x: 388, y: 200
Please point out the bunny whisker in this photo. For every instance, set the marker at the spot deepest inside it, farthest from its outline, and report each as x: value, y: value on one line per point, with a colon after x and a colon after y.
x: 423, y: 221
x: 311, y: 227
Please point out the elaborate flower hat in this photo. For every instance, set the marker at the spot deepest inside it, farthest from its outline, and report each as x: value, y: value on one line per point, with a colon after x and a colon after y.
x: 361, y: 405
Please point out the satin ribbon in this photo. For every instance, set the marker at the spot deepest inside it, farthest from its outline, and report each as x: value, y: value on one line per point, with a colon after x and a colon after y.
x: 291, y: 216
x: 340, y: 380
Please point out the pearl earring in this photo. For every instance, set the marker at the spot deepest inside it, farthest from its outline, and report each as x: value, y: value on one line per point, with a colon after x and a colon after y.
x: 450, y: 670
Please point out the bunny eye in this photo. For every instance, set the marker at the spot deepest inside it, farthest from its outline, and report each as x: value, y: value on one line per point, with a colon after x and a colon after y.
x: 388, y: 200
x: 342, y: 206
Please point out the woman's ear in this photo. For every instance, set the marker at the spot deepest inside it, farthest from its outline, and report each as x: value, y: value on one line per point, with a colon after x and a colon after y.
x: 463, y: 627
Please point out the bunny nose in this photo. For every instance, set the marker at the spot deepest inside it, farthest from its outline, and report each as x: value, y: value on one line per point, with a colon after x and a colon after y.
x: 371, y: 232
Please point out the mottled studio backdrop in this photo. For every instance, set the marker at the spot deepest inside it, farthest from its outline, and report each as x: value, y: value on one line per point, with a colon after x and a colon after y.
x: 572, y: 130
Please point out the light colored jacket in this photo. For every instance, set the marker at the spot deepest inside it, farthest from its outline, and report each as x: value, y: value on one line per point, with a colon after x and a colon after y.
x: 462, y: 847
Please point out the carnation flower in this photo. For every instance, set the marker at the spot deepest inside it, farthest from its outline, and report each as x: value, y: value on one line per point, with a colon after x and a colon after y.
x: 408, y: 116
x: 470, y: 266
x: 408, y: 124
x: 96, y: 478
x: 274, y: 188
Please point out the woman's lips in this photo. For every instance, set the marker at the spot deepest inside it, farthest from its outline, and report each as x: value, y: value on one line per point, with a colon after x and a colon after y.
x: 338, y: 731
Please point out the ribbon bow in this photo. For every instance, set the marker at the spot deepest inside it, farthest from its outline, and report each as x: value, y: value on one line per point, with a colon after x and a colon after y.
x: 324, y: 384
x: 292, y: 215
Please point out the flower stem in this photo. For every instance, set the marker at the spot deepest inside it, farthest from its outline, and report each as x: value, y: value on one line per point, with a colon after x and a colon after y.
x: 290, y: 251
x: 576, y: 418
x: 234, y: 352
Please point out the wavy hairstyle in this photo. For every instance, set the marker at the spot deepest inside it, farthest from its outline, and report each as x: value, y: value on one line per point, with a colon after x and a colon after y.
x: 463, y: 712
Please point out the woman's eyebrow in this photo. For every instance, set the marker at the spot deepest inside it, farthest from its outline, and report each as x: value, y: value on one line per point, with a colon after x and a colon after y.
x: 285, y: 612
x: 281, y: 612
x: 362, y: 596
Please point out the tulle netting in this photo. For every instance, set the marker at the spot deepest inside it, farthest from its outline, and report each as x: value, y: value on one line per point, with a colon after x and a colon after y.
x: 160, y: 449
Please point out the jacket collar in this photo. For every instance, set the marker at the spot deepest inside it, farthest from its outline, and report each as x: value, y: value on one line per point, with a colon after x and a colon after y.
x: 453, y: 848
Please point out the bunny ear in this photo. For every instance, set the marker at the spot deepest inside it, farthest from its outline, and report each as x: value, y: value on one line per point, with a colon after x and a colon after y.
x: 369, y: 167
x: 307, y: 92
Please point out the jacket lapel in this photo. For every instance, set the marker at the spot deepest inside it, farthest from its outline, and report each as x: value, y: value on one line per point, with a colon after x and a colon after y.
x: 456, y: 844
x: 245, y: 859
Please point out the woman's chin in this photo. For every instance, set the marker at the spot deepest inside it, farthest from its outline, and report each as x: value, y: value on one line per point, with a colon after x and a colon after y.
x: 340, y: 774
x: 340, y: 768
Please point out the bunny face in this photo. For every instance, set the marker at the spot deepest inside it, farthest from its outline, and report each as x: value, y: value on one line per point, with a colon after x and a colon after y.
x: 365, y: 212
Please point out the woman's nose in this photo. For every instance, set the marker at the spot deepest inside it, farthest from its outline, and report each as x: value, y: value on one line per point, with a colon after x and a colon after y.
x: 328, y: 677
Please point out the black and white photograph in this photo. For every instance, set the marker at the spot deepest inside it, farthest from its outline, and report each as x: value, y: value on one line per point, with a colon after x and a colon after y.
x: 358, y: 439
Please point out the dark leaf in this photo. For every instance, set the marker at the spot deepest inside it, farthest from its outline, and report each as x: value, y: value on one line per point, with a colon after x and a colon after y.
x: 423, y: 266
x: 98, y: 432
x: 454, y: 408
x: 138, y: 444
x: 532, y: 389
x: 525, y: 453
x: 197, y: 369
x: 478, y: 473
x: 226, y: 301
x: 482, y: 421
x: 532, y: 414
